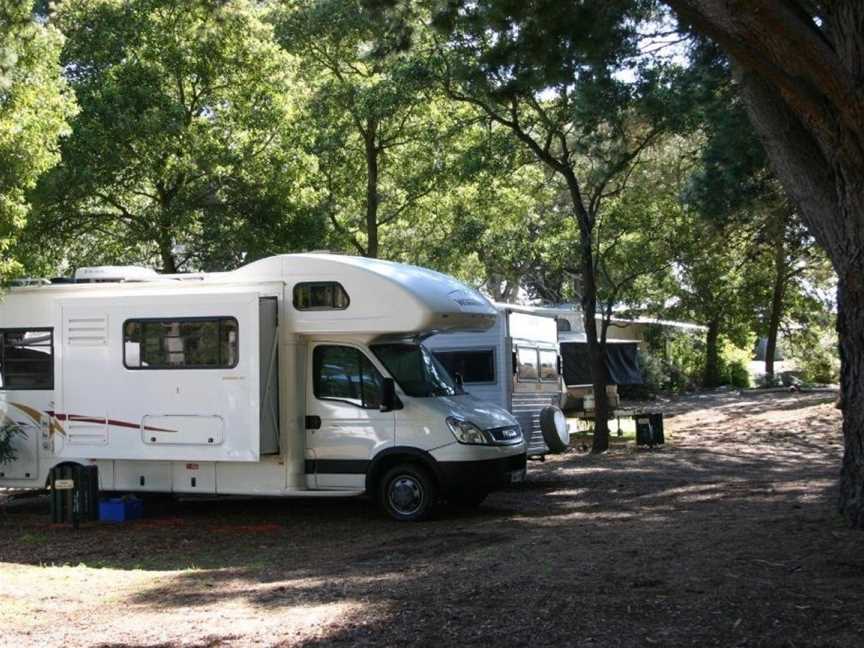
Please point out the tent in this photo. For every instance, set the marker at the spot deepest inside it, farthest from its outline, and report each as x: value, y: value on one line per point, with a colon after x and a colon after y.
x: 622, y: 360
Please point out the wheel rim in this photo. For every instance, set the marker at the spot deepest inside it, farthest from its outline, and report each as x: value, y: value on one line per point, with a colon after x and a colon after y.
x: 405, y: 495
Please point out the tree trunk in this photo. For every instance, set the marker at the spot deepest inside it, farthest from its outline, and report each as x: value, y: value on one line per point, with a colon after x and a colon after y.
x: 850, y: 327
x: 777, y: 303
x: 711, y: 377
x: 371, y: 190
x: 596, y: 350
x: 166, y: 250
x: 801, y: 80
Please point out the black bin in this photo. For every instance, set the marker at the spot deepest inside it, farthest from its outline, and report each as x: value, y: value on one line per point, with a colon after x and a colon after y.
x: 644, y: 433
x: 74, y: 493
x: 656, y: 419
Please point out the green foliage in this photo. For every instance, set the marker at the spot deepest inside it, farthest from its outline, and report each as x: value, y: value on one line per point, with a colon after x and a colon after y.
x: 675, y: 358
x: 734, y: 362
x: 814, y: 352
x: 387, y: 143
x: 35, y: 105
x: 187, y: 148
x: 8, y: 433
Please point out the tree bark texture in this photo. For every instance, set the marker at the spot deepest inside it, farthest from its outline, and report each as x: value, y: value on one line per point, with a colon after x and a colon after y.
x: 371, y: 139
x: 803, y: 84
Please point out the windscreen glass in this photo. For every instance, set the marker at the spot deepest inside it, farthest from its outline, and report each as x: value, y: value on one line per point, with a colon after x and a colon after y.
x: 416, y: 370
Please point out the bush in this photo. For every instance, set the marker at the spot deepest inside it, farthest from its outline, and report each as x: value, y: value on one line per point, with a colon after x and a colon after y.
x: 821, y: 365
x: 673, y: 360
x: 658, y: 375
x: 8, y: 432
x: 734, y: 363
x: 814, y: 351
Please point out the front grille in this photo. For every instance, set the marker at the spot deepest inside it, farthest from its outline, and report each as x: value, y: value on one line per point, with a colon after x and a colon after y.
x: 506, y: 434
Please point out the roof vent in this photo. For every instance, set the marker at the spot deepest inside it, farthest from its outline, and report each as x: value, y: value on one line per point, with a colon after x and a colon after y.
x: 104, y: 274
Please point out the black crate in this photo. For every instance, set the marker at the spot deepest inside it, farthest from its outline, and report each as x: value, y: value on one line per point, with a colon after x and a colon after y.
x: 81, y: 502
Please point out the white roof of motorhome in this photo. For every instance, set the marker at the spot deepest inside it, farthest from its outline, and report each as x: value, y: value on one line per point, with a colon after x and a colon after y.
x: 564, y: 310
x: 384, y: 297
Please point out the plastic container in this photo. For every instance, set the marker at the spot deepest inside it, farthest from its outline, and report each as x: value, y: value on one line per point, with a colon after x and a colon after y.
x: 120, y: 510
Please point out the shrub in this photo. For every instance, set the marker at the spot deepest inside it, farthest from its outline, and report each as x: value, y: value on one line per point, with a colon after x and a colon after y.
x: 8, y: 432
x: 734, y: 362
x: 820, y: 365
x: 814, y: 351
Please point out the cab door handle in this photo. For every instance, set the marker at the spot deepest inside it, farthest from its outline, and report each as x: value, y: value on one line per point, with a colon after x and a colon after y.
x: 313, y: 422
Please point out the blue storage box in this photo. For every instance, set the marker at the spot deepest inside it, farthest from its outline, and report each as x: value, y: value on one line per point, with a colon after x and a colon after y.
x: 120, y: 510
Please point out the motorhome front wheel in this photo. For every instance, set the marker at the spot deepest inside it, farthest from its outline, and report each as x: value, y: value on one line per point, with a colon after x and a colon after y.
x: 408, y: 493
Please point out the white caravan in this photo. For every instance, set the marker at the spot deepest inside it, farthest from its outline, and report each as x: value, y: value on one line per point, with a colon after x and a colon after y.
x: 515, y: 365
x: 296, y: 375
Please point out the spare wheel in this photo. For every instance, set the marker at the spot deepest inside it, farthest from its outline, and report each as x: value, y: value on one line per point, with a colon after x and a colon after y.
x: 553, y: 424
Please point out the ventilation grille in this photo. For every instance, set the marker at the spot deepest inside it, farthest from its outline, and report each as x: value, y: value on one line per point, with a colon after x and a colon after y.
x: 86, y: 431
x: 87, y: 331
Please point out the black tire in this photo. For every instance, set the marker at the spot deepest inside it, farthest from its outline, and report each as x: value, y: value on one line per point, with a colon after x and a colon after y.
x: 408, y: 493
x: 553, y: 425
x: 468, y: 500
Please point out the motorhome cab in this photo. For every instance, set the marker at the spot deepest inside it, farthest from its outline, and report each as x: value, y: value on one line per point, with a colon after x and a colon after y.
x: 295, y: 375
x: 514, y: 364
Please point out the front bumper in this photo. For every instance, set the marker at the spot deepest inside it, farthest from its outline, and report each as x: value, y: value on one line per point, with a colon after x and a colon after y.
x: 458, y: 477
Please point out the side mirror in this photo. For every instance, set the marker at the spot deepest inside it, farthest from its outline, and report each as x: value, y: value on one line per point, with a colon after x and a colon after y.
x: 388, y: 395
x: 459, y: 380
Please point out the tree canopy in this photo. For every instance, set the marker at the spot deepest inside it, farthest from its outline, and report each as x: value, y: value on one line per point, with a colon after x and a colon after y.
x: 35, y: 105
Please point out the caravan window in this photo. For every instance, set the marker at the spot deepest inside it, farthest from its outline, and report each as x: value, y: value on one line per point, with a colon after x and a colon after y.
x: 526, y: 364
x: 181, y: 343
x: 26, y: 359
x: 320, y: 295
x: 346, y: 374
x: 475, y: 366
x: 548, y: 366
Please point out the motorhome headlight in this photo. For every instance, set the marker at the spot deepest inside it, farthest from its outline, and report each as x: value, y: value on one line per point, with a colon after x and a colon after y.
x: 466, y: 432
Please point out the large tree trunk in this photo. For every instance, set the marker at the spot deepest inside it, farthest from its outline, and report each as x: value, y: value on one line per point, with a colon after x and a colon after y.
x: 850, y: 326
x: 777, y: 301
x: 371, y: 190
x: 802, y: 79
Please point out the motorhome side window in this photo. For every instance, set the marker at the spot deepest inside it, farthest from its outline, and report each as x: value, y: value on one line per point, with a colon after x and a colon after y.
x: 475, y: 366
x: 320, y: 295
x: 192, y: 343
x: 346, y: 374
x: 26, y: 359
x: 526, y: 368
x: 548, y: 366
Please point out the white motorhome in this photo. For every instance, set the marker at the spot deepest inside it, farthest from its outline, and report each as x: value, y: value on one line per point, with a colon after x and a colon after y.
x: 296, y: 375
x: 515, y: 365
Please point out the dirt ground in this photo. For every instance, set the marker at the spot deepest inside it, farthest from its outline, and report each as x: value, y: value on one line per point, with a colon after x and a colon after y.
x: 728, y: 536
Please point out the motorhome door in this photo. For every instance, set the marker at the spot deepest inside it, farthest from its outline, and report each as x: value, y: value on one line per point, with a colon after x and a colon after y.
x: 345, y: 427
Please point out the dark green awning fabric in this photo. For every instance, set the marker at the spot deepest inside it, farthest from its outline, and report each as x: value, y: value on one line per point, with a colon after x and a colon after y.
x: 622, y: 361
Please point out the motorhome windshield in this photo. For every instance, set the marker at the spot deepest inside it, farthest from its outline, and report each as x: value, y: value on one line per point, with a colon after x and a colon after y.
x: 416, y: 370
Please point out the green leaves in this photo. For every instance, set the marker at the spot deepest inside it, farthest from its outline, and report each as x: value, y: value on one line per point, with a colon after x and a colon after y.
x: 188, y: 138
x: 35, y: 104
